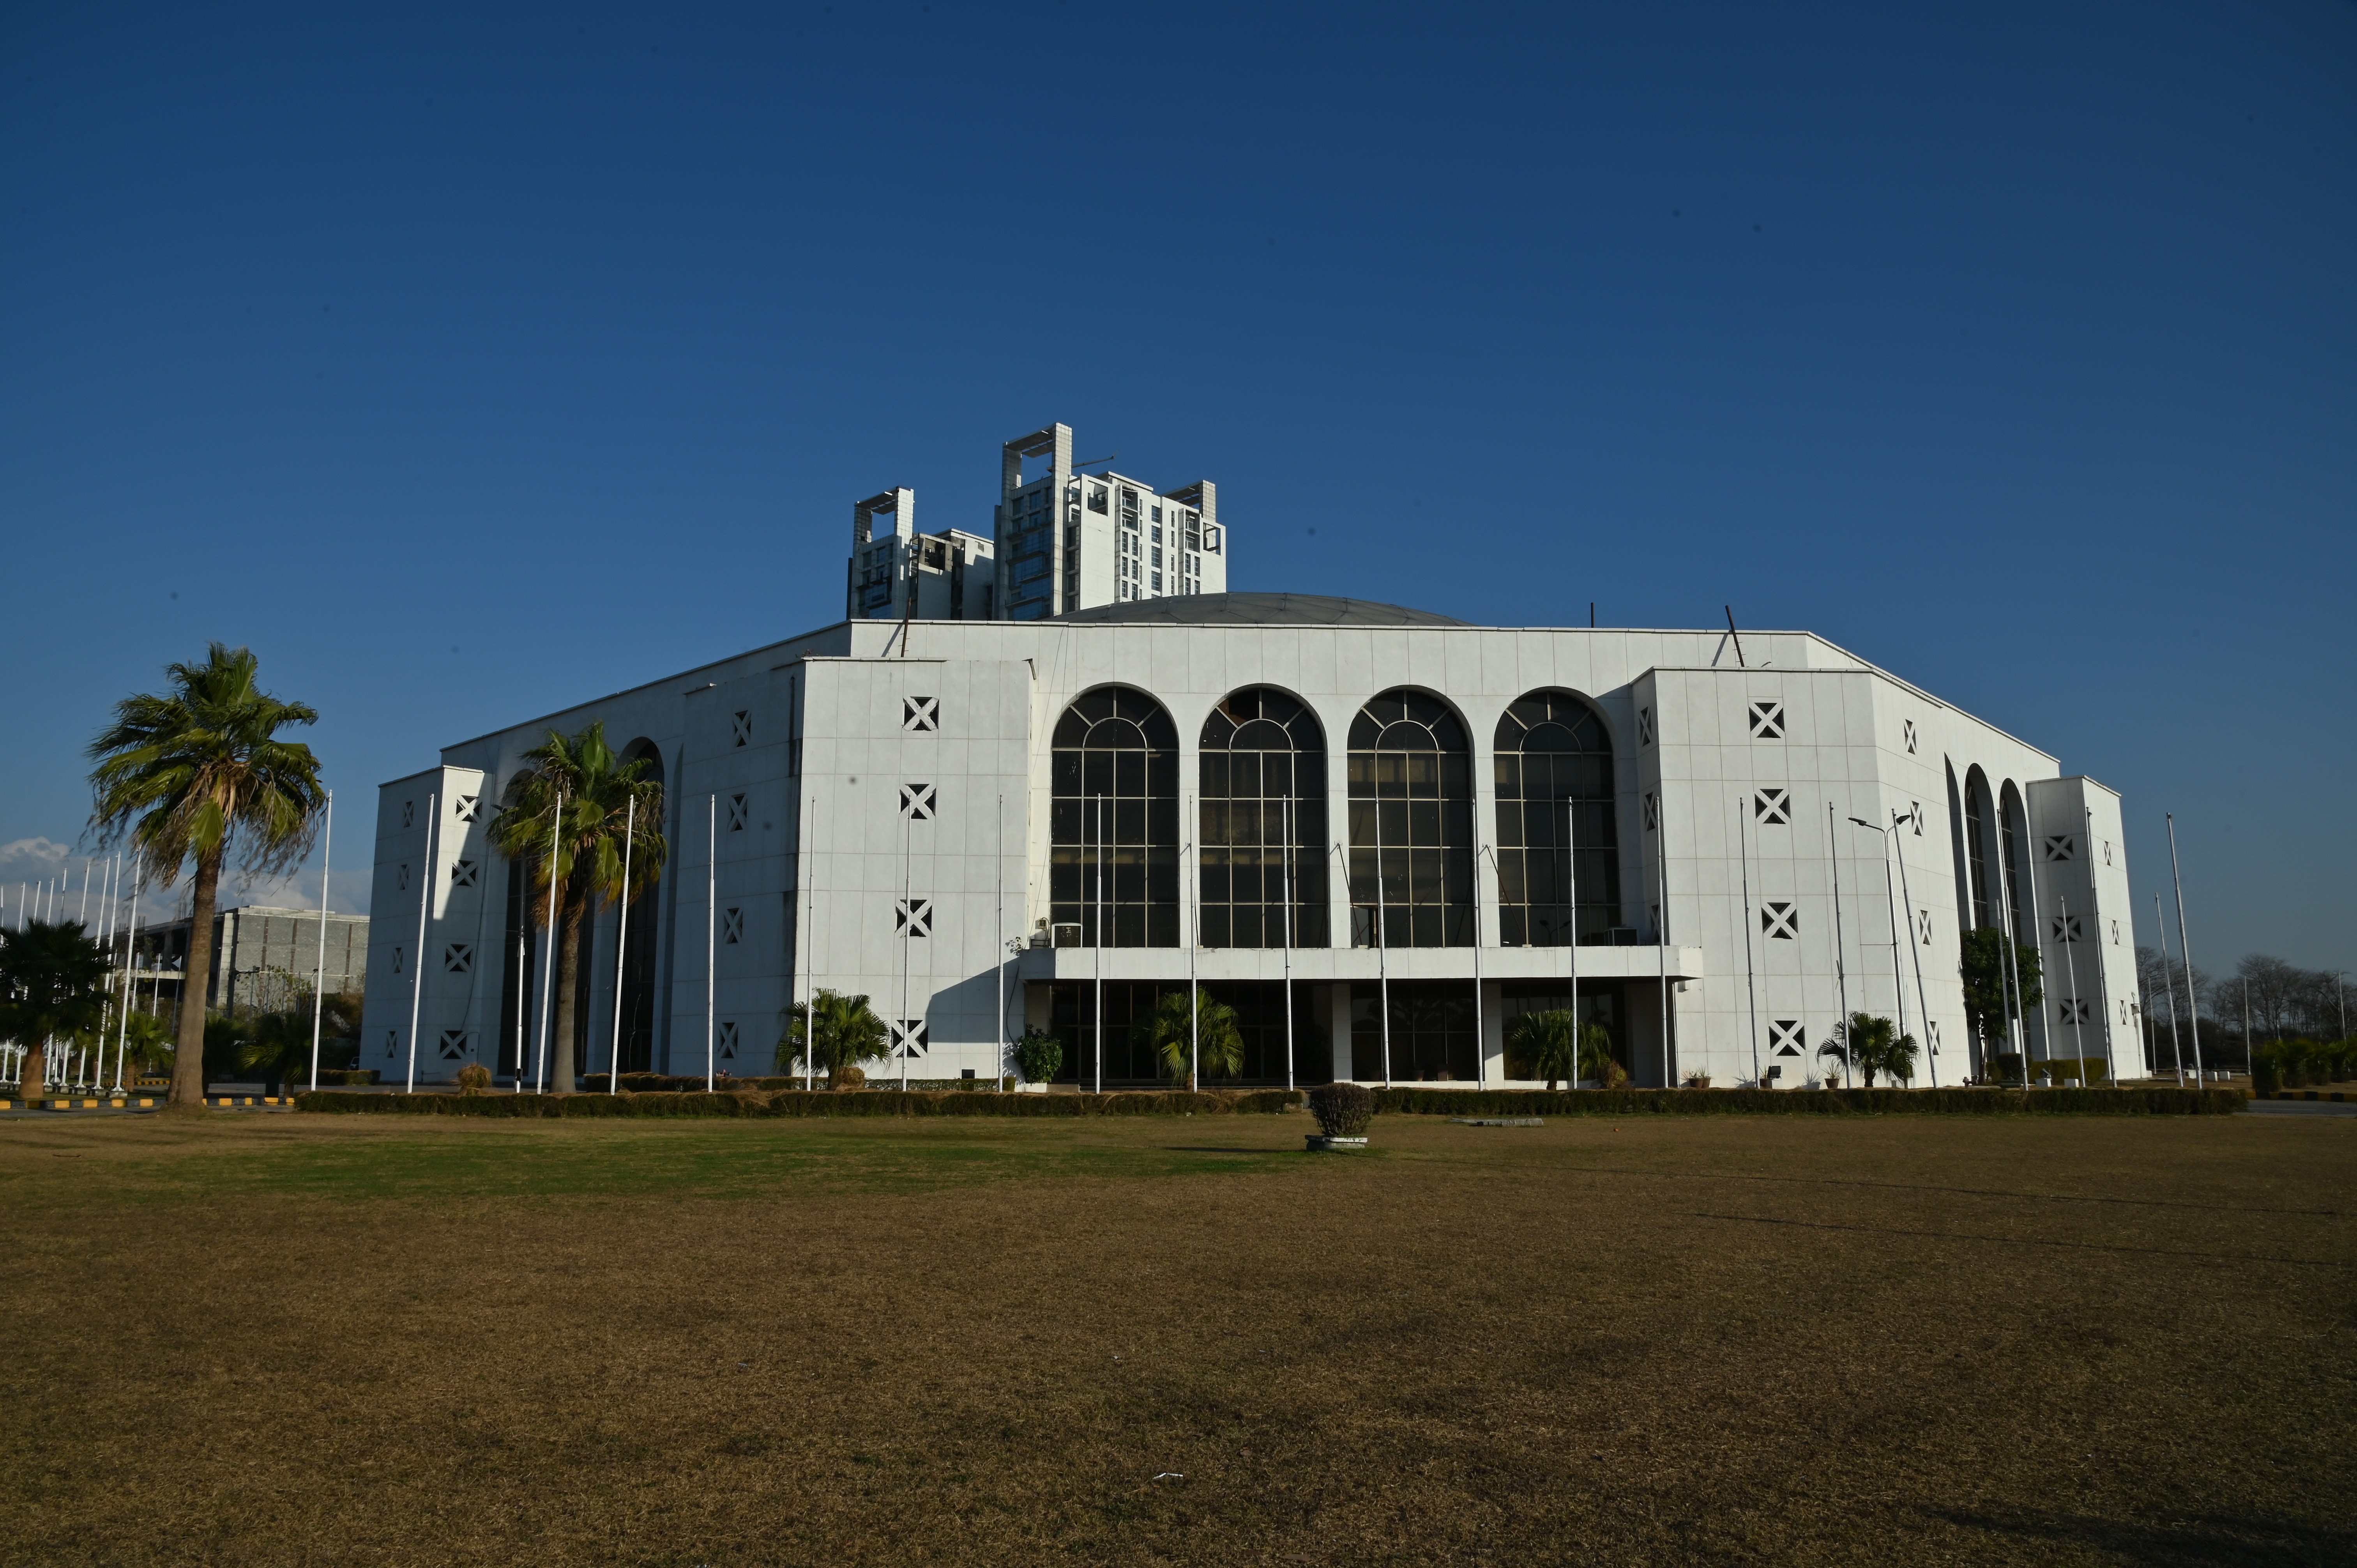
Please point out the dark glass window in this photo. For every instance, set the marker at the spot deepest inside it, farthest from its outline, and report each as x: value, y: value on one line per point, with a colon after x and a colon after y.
x: 1114, y: 805
x: 1555, y: 779
x: 1411, y: 783
x: 1264, y: 772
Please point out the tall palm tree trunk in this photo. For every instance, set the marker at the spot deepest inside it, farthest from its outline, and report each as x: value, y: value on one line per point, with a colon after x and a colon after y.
x: 568, y: 971
x: 189, y: 1059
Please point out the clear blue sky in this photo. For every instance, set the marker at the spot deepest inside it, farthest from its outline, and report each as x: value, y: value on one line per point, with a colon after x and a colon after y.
x: 469, y: 361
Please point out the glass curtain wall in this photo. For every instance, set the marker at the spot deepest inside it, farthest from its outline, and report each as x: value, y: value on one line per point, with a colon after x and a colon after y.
x: 1115, y: 813
x: 1262, y: 761
x: 1411, y: 782
x: 1554, y: 779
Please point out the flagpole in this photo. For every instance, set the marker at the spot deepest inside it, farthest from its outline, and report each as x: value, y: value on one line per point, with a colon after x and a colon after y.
x: 130, y: 967
x: 1194, y: 939
x: 1915, y: 945
x: 1383, y: 938
x: 1284, y: 878
x: 548, y: 951
x: 1100, y: 943
x: 418, y: 971
x: 2014, y: 1004
x: 810, y: 951
x: 2168, y: 984
x: 1750, y: 986
x: 1661, y: 920
x: 621, y: 944
x: 908, y: 892
x: 1841, y: 962
x: 2185, y: 947
x: 998, y: 853
x: 710, y: 928
x: 2038, y: 943
x: 1481, y: 1034
x: 1571, y: 870
x: 320, y: 979
x: 2078, y: 1002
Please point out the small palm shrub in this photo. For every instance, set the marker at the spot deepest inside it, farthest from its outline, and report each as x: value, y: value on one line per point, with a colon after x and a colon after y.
x: 1343, y: 1110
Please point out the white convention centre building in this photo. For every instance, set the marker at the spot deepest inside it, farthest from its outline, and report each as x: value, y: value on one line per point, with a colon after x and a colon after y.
x: 1379, y: 834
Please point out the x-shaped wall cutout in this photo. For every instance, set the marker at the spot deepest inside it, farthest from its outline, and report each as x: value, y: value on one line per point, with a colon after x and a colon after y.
x: 908, y: 1037
x: 2066, y: 928
x: 1923, y: 927
x: 728, y: 1037
x: 1767, y: 720
x: 2058, y: 846
x: 732, y: 924
x: 462, y: 874
x: 740, y: 726
x: 912, y: 917
x: 1786, y: 1037
x: 458, y: 958
x: 738, y: 811
x: 467, y: 806
x: 1782, y: 922
x: 917, y: 801
x: 454, y: 1044
x: 1773, y: 807
x: 920, y: 716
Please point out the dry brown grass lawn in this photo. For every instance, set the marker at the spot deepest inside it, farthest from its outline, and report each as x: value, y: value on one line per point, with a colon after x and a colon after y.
x: 350, y: 1340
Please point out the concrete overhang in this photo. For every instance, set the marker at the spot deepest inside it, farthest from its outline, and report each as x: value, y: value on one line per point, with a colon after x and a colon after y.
x: 1337, y: 964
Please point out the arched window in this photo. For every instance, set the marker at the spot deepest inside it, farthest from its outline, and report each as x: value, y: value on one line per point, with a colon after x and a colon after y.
x: 1985, y: 899
x: 1411, y: 824
x: 1554, y: 780
x: 1263, y: 768
x: 1114, y: 805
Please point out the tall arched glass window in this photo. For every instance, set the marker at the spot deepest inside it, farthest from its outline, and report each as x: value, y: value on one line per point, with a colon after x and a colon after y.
x: 1115, y: 823
x: 1264, y: 766
x: 1555, y: 781
x: 1411, y: 824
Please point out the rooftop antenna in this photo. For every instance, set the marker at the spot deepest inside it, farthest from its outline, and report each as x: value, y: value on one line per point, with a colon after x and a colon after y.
x: 1591, y: 615
x: 1737, y: 636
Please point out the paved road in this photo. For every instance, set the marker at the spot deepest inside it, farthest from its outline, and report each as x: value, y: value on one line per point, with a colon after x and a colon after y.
x: 2299, y: 1108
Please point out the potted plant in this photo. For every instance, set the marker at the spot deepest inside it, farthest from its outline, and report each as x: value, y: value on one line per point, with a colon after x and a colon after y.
x: 1343, y: 1111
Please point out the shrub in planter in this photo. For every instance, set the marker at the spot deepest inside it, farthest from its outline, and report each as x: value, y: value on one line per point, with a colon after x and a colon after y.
x: 1038, y: 1056
x: 474, y: 1078
x: 847, y: 1076
x: 1343, y: 1110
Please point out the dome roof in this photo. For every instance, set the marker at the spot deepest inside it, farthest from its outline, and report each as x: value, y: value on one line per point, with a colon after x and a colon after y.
x: 1258, y: 610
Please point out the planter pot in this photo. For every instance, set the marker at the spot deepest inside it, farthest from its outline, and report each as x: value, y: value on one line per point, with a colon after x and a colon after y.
x: 1318, y: 1143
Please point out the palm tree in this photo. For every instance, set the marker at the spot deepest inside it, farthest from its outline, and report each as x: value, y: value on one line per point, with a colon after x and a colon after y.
x: 1172, y: 1034
x: 52, y: 986
x: 1875, y: 1046
x: 185, y: 774
x: 582, y: 854
x: 844, y: 1031
x: 1552, y: 1044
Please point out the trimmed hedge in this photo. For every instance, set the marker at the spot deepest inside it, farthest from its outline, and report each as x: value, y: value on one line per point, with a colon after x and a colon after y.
x: 2155, y: 1101
x: 1415, y: 1102
x: 803, y: 1102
